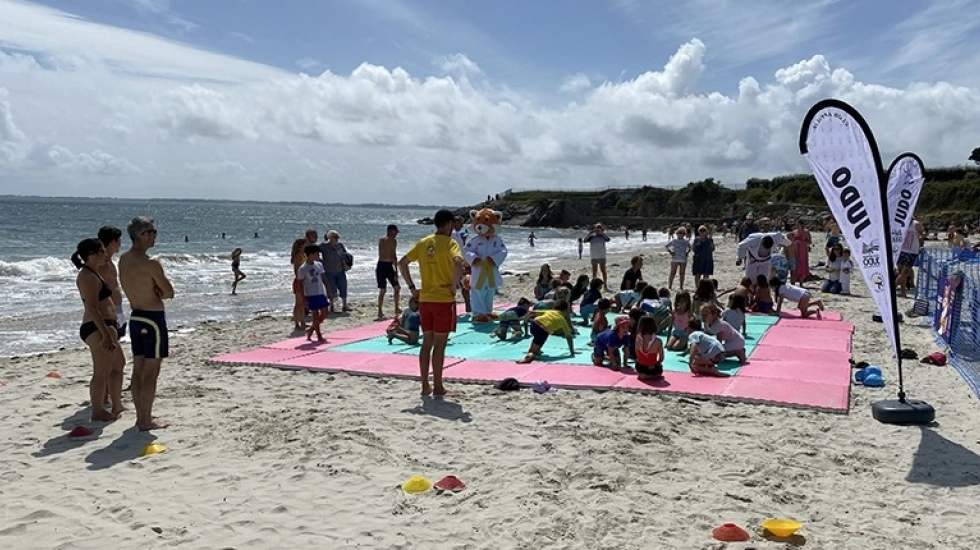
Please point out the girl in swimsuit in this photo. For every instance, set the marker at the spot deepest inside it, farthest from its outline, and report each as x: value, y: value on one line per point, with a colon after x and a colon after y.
x: 236, y: 262
x: 99, y: 330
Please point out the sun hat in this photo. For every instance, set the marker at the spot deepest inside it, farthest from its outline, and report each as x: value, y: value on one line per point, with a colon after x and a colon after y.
x: 542, y: 386
x: 508, y: 384
x: 935, y: 358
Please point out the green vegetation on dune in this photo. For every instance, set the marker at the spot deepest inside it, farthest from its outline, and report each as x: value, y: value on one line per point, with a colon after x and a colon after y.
x: 949, y: 195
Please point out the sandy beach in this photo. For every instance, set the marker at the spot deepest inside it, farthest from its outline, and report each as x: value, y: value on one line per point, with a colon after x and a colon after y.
x: 263, y: 458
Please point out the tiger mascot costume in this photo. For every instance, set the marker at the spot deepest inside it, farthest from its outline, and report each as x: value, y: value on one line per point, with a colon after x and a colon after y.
x: 484, y: 252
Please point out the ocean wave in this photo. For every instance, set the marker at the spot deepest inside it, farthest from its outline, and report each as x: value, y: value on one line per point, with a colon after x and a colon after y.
x: 46, y: 268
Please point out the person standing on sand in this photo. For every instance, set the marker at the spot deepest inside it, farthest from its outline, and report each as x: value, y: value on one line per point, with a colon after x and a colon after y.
x: 385, y: 270
x: 800, y: 272
x: 146, y: 287
x: 298, y: 258
x: 111, y: 238
x: 441, y: 268
x: 597, y: 240
x: 99, y: 330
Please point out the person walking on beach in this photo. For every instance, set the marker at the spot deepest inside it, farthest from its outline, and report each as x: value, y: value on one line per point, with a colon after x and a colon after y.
x: 385, y: 272
x: 236, y: 263
x: 597, y: 240
x: 99, y: 330
x: 441, y: 269
x: 747, y: 228
x: 146, y: 287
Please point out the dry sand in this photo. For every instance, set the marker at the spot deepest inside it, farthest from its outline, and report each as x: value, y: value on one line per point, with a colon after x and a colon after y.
x: 262, y: 458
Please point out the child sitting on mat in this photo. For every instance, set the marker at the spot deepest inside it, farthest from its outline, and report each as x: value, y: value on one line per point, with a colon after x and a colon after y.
x: 730, y: 338
x: 706, y: 351
x: 677, y: 341
x: 804, y: 300
x: 608, y: 343
x: 600, y: 322
x: 406, y: 327
x: 541, y: 324
x: 734, y: 315
x: 512, y: 319
x: 762, y: 297
x: 648, y: 350
x: 589, y: 299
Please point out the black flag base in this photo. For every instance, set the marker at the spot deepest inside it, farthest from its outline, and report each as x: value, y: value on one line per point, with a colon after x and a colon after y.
x: 903, y: 411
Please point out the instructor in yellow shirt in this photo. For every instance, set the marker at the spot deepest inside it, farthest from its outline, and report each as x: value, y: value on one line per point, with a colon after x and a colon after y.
x: 441, y: 268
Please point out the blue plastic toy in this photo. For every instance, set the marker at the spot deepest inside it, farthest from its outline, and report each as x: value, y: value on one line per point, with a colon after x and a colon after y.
x: 873, y: 381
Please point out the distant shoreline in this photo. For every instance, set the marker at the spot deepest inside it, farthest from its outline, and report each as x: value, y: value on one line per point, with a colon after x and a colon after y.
x: 241, y: 201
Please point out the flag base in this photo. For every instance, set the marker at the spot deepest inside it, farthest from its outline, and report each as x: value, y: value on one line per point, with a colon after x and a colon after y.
x: 909, y: 411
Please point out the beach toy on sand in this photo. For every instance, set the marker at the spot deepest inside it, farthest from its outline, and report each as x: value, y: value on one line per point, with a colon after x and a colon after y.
x: 873, y: 381
x: 781, y: 527
x: 52, y: 374
x: 416, y: 484
x: 865, y: 372
x: 450, y: 483
x: 729, y: 532
x: 80, y: 431
x: 152, y: 449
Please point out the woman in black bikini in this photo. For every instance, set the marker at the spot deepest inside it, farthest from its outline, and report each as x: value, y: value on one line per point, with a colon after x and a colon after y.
x: 98, y: 330
x: 236, y: 262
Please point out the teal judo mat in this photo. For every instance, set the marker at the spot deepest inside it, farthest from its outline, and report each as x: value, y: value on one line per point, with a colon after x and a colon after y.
x: 475, y: 341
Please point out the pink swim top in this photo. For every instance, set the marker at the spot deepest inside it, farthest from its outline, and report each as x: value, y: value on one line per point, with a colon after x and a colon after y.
x: 680, y: 319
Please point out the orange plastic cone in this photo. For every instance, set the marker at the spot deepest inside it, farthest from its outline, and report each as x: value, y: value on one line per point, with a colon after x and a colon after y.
x: 729, y: 532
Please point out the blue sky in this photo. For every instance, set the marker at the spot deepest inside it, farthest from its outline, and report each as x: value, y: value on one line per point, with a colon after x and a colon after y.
x: 489, y: 95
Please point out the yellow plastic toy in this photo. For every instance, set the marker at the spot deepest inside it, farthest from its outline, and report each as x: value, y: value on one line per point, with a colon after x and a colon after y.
x: 781, y: 527
x: 152, y: 449
x: 416, y: 484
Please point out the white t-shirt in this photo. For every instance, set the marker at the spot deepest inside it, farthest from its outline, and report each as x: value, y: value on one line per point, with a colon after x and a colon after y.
x: 792, y: 292
x: 678, y: 250
x: 312, y: 277
x: 911, y: 243
x: 734, y: 317
x: 833, y: 269
x: 597, y: 246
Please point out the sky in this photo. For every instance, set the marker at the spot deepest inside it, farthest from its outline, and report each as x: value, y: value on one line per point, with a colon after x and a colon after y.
x: 444, y: 102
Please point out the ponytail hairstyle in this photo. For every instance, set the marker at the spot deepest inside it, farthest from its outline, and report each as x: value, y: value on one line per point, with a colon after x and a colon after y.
x: 86, y: 248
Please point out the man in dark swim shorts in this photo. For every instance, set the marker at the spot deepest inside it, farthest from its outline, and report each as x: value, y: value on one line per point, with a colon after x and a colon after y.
x: 146, y: 286
x: 385, y: 271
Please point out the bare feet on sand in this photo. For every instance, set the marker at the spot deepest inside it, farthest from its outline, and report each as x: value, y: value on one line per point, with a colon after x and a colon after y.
x: 104, y: 416
x: 155, y: 424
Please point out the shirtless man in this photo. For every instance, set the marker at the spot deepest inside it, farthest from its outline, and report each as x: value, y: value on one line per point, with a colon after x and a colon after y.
x: 385, y: 271
x: 146, y: 287
x: 111, y: 238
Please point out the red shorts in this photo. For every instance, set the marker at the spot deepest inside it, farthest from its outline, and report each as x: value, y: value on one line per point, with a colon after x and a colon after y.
x: 438, y: 317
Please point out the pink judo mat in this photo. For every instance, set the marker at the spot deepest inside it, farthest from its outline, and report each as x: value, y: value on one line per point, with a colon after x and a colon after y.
x: 798, y: 363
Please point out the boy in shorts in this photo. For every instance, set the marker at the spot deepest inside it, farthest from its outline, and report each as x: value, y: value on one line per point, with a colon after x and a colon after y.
x: 310, y: 275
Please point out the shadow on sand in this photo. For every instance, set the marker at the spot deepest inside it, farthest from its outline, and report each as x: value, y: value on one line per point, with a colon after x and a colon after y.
x: 439, y: 407
x: 127, y: 446
x: 943, y: 463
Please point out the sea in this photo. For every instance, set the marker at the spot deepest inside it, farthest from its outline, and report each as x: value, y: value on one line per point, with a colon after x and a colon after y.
x: 40, y: 309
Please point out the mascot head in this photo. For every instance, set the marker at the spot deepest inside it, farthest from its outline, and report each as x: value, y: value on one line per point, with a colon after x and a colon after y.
x: 485, y: 221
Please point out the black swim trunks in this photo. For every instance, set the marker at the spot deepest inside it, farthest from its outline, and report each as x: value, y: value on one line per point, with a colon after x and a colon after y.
x: 148, y: 334
x: 906, y: 259
x: 385, y: 274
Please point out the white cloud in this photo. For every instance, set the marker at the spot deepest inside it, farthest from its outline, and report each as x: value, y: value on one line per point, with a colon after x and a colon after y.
x: 195, y: 123
x: 575, y: 83
x: 457, y: 63
x: 308, y: 64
